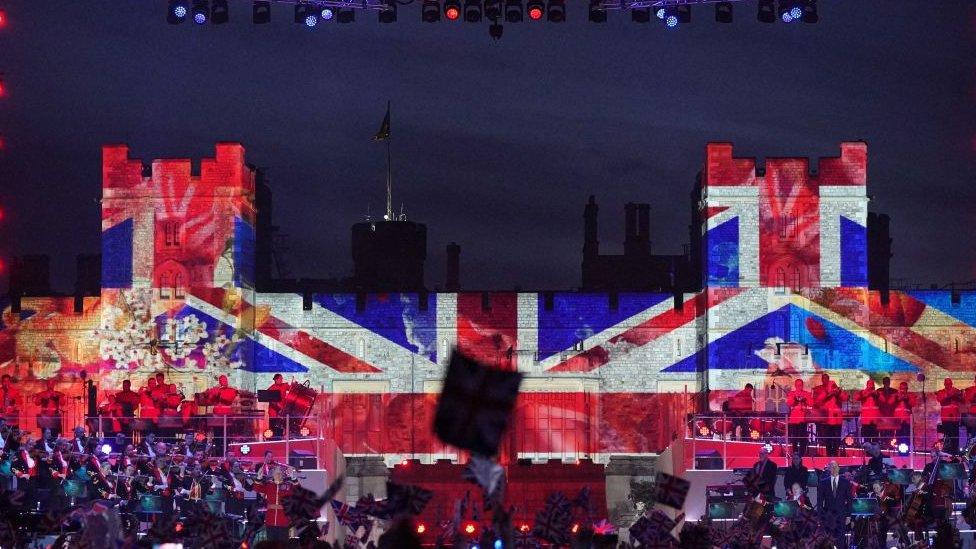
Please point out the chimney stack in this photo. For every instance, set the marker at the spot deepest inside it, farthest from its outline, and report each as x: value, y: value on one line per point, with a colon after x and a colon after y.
x: 591, y: 237
x: 644, y: 226
x: 453, y: 283
x: 631, y: 238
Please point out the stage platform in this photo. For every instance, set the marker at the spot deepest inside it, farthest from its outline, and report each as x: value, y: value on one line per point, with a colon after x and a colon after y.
x: 740, y: 455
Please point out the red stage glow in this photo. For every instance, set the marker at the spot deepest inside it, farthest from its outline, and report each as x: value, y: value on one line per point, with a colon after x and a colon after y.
x: 470, y: 528
x: 535, y: 13
x: 452, y: 13
x: 524, y: 527
x: 3, y: 19
x: 421, y: 528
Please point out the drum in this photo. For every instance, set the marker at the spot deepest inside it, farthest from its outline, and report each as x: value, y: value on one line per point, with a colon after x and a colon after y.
x: 754, y: 510
x: 298, y: 401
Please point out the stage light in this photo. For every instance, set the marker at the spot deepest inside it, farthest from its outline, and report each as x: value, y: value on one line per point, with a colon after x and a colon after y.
x: 524, y: 527
x: 268, y: 433
x: 311, y: 20
x: 304, y: 431
x: 421, y: 528
x: 498, y: 544
x: 723, y: 12
x: 106, y: 449
x: 177, y: 11
x: 640, y: 15
x: 597, y: 13
x: 245, y: 450
x: 754, y: 434
x: 388, y: 15
x: 671, y: 21
x: 3, y: 19
x: 200, y: 11
x: 345, y: 15
x: 452, y: 9
x: 557, y: 11
x: 575, y: 528
x: 514, y: 12
x: 893, y: 443
x: 326, y: 14
x: 766, y: 12
x: 470, y: 528
x: 430, y: 12
x: 768, y: 447
x: 3, y: 89
x: 903, y: 449
x: 472, y: 11
x: 849, y: 440
x: 536, y: 9
x: 789, y: 11
x: 493, y: 10
x: 199, y: 437
x: 219, y: 12
x: 660, y: 13
x: 261, y: 12
x: 810, y: 11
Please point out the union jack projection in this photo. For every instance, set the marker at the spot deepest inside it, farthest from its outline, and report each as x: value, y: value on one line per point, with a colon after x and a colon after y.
x: 784, y: 271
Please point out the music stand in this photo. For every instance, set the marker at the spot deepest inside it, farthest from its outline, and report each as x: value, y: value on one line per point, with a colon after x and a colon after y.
x: 952, y: 471
x: 722, y: 510
x: 864, y: 507
x: 785, y: 509
x: 900, y: 476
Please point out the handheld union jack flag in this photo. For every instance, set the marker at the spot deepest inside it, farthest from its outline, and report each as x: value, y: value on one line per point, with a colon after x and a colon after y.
x: 553, y: 521
x: 406, y: 499
x: 671, y: 490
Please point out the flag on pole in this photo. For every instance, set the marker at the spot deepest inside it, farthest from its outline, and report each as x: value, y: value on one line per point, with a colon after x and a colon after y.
x: 384, y: 132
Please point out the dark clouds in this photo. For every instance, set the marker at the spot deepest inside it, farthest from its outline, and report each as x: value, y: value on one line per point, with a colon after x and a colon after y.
x: 497, y: 145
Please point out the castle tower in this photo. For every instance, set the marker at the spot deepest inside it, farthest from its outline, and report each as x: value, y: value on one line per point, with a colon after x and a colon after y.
x: 165, y: 227
x: 786, y: 226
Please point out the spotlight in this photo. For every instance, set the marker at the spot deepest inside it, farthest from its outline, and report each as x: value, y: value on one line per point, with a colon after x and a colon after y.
x: 903, y: 449
x: 849, y: 440
x: 575, y: 528
x: 219, y: 12
x: 723, y: 12
x: 388, y: 15
x: 421, y: 528
x: 452, y: 9
x: 106, y: 449
x: 514, y: 13
x: 472, y: 11
x: 430, y: 12
x: 660, y: 13
x: 304, y: 431
x: 200, y: 11
x: 810, y: 11
x: 754, y: 434
x: 498, y: 544
x: 245, y: 450
x: 557, y: 11
x: 766, y: 12
x: 261, y: 12
x: 311, y: 19
x: 789, y: 11
x: 175, y: 14
x: 327, y: 14
x: 199, y: 437
x: 641, y: 15
x: 768, y: 447
x: 536, y: 9
x: 597, y: 13
x: 346, y: 15
x: 268, y: 433
x: 671, y: 20
x: 493, y: 10
x: 470, y: 528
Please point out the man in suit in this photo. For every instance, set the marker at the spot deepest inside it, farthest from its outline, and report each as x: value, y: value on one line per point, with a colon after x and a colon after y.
x: 834, y: 498
x: 764, y: 471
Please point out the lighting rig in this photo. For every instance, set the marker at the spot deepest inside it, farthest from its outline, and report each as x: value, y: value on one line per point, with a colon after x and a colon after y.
x: 671, y: 13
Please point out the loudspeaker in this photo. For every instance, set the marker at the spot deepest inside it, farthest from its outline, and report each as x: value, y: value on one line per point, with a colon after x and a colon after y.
x: 711, y: 460
x: 301, y: 459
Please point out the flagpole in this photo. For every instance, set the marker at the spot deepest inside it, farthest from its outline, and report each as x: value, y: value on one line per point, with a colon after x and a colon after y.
x: 389, y: 182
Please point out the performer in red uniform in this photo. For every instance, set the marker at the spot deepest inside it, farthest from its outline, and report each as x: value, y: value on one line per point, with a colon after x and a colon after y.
x: 9, y: 401
x: 275, y: 491
x: 799, y: 402
x: 870, y: 412
x: 147, y: 405
x: 222, y: 396
x: 833, y: 401
x: 886, y: 405
x: 904, y: 403
x: 949, y: 399
x: 276, y: 421
x: 51, y: 402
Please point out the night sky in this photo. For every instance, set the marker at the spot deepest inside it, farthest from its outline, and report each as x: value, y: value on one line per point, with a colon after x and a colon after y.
x: 496, y: 144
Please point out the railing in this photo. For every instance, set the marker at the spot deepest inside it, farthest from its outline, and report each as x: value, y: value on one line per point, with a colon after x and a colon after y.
x: 845, y: 437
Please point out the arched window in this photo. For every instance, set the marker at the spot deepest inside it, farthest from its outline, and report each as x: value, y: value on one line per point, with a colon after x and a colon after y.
x: 795, y: 278
x: 164, y: 287
x: 780, y: 277
x: 179, y: 290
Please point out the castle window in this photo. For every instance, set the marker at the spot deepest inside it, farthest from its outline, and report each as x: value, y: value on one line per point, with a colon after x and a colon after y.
x: 164, y: 287
x: 787, y: 226
x: 179, y: 291
x: 171, y: 231
x: 795, y: 279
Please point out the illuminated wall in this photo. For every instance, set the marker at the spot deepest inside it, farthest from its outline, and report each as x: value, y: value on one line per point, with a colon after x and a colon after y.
x: 604, y: 374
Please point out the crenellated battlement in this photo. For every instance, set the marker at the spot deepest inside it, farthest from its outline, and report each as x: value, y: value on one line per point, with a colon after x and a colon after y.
x: 724, y: 169
x: 225, y: 174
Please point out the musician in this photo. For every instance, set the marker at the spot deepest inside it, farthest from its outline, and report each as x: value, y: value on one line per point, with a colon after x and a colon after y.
x: 167, y: 396
x: 274, y: 492
x: 275, y: 409
x: 50, y: 400
x: 765, y: 470
x: 799, y: 402
x: 904, y: 403
x: 147, y: 404
x: 834, y: 498
x: 9, y: 400
x: 79, y: 444
x: 797, y: 493
x: 147, y: 446
x: 886, y: 405
x: 126, y: 401
x: 870, y: 412
x: 264, y: 469
x: 949, y: 399
x: 223, y: 396
x: 47, y: 443
x: 740, y: 406
x: 795, y: 473
x: 827, y: 400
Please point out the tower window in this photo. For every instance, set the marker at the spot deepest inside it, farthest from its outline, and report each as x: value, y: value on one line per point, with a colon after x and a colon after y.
x: 171, y: 232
